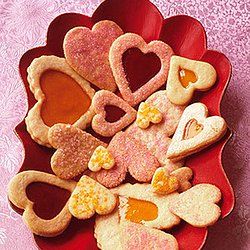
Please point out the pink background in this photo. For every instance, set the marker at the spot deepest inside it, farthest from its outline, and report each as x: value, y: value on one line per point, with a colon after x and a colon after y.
x: 23, y: 25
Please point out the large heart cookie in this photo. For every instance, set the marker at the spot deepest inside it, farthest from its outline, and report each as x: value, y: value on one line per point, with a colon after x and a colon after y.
x: 89, y: 197
x: 185, y: 76
x: 17, y: 195
x: 119, y: 47
x: 53, y: 83
x: 197, y: 206
x: 100, y: 125
x: 74, y: 150
x: 87, y: 52
x: 138, y: 237
x: 195, y: 131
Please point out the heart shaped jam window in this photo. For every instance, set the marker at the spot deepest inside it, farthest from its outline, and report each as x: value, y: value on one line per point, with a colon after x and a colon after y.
x: 140, y: 67
x: 65, y: 100
x: 48, y: 200
x: 140, y: 210
x: 187, y: 77
x: 192, y: 129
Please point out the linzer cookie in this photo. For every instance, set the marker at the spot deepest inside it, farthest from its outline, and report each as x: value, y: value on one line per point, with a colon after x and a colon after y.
x: 53, y: 83
x: 17, y: 195
x: 74, y: 150
x: 185, y: 76
x: 130, y: 156
x: 100, y: 125
x: 139, y: 204
x: 138, y: 237
x: 89, y: 197
x: 87, y: 52
x: 195, y: 132
x: 119, y: 47
x: 197, y: 206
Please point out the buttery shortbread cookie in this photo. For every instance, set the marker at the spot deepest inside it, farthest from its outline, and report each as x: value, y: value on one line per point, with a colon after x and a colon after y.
x: 195, y: 132
x: 53, y: 83
x: 139, y: 204
x: 87, y: 52
x: 74, y: 150
x: 185, y: 76
x: 17, y: 195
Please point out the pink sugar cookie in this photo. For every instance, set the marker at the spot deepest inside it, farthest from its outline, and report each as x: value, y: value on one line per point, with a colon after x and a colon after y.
x: 130, y: 156
x: 119, y: 47
x: 87, y: 52
x: 138, y: 237
x: 100, y: 125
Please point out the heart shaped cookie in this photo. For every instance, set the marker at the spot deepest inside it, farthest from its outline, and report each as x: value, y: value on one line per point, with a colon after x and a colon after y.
x: 17, y: 195
x: 74, y: 150
x: 185, y: 76
x: 146, y: 114
x: 119, y: 47
x: 53, y: 83
x: 195, y: 132
x: 197, y: 206
x: 87, y: 52
x: 89, y: 197
x: 130, y: 156
x: 100, y: 125
x: 101, y: 158
x: 135, y: 236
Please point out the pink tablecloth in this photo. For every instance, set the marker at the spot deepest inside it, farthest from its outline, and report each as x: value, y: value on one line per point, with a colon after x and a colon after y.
x: 23, y: 25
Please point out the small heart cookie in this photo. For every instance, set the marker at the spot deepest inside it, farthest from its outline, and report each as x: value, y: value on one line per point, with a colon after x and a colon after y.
x: 100, y: 125
x: 74, y: 149
x: 197, y: 206
x: 138, y: 237
x: 89, y: 197
x: 183, y: 175
x: 146, y: 114
x: 195, y: 132
x: 185, y: 76
x: 119, y: 47
x: 17, y: 195
x: 87, y: 52
x: 101, y: 158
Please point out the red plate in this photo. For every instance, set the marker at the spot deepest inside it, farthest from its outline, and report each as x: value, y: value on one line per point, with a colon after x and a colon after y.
x: 187, y: 38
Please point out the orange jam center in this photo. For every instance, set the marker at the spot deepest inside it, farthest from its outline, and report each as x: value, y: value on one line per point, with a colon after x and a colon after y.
x: 192, y: 129
x: 187, y: 77
x: 65, y: 100
x: 139, y: 210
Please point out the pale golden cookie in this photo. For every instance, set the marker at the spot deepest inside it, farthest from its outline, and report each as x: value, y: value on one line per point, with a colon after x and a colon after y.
x: 54, y: 98
x: 17, y: 195
x: 89, y: 197
x: 197, y: 206
x: 185, y: 76
x: 195, y: 132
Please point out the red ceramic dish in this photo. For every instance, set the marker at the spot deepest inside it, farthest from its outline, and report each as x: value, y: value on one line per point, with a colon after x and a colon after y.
x: 187, y: 38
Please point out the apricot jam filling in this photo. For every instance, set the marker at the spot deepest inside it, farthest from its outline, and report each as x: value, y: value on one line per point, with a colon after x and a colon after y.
x: 65, y: 100
x: 192, y: 129
x: 140, y: 210
x: 186, y: 77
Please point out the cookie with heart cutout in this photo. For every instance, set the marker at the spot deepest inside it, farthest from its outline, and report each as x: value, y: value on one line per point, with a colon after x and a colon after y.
x: 135, y: 236
x: 87, y: 52
x: 90, y: 197
x: 195, y: 132
x: 53, y: 83
x: 100, y: 125
x: 185, y: 76
x: 166, y: 182
x: 130, y: 156
x: 139, y: 204
x: 17, y: 195
x: 131, y: 40
x: 197, y: 206
x: 74, y: 149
